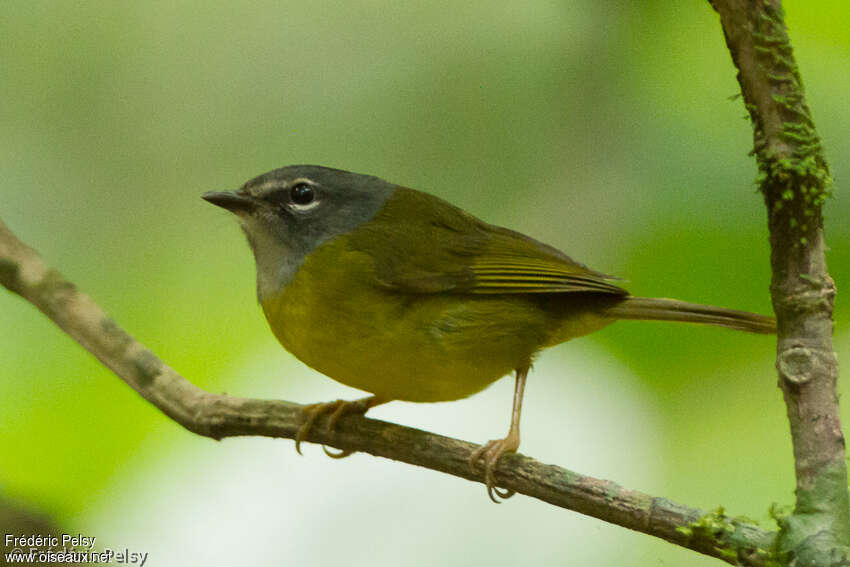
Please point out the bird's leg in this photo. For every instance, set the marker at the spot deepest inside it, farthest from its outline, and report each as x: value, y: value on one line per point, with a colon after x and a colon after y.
x: 336, y: 409
x: 490, y: 452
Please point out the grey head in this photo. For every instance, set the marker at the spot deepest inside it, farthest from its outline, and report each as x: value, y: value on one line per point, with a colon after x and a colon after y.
x: 288, y: 212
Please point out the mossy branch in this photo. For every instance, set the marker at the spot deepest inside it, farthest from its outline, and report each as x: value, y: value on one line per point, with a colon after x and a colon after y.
x: 795, y: 181
x: 22, y: 271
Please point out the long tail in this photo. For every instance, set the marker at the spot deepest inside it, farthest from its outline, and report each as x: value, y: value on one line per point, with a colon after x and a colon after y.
x: 660, y: 309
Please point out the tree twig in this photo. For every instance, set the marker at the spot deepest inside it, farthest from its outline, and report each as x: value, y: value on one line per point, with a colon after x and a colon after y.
x: 794, y: 179
x: 22, y: 271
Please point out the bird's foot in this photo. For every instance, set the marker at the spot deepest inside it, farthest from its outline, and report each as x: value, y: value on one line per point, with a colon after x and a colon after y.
x: 489, y: 454
x: 336, y: 409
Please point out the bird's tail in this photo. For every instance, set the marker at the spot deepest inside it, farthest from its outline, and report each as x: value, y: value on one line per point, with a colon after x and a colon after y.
x: 660, y: 309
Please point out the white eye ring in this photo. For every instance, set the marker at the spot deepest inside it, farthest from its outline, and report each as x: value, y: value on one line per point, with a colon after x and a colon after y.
x: 302, y: 195
x: 311, y: 205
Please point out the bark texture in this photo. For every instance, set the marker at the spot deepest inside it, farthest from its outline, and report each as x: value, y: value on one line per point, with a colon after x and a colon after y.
x: 795, y: 182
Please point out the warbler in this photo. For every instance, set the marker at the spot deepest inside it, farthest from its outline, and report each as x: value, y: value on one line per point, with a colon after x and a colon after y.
x: 399, y: 293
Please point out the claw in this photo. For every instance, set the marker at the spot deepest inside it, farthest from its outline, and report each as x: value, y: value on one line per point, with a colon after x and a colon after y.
x: 503, y: 493
x: 337, y: 409
x: 343, y: 453
x: 310, y: 414
x: 489, y: 454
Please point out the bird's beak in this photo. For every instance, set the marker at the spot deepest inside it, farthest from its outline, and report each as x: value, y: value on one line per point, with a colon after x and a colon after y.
x: 231, y: 200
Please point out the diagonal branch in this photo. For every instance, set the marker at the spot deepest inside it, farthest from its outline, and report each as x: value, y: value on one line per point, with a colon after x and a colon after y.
x: 23, y: 272
x: 794, y: 179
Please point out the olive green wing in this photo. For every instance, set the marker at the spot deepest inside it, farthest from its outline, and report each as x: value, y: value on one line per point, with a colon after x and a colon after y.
x: 422, y: 244
x: 514, y: 263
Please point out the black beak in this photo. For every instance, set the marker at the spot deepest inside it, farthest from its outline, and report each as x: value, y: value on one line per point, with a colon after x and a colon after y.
x: 232, y: 201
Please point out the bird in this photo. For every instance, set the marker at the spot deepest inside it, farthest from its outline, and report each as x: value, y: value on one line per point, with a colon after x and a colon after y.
x: 399, y: 293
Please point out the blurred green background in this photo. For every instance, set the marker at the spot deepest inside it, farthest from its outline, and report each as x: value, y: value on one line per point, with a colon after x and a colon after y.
x: 603, y: 128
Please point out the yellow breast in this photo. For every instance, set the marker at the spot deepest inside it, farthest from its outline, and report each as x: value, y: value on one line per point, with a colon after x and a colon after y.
x: 335, y: 318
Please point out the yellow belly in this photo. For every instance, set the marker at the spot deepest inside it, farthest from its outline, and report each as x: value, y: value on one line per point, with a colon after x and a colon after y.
x: 337, y: 319
x: 420, y: 347
x: 418, y: 352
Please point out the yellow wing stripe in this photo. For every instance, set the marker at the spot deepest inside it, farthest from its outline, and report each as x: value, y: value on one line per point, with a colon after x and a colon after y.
x: 521, y: 270
x: 541, y: 284
x: 521, y: 263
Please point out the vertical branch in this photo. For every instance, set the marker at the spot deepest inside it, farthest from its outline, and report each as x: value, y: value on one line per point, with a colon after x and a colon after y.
x: 794, y: 179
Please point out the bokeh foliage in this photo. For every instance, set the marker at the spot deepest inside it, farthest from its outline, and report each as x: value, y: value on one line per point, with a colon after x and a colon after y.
x: 603, y: 128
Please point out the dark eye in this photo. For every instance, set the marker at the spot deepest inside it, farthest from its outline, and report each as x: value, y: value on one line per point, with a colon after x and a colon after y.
x: 302, y: 194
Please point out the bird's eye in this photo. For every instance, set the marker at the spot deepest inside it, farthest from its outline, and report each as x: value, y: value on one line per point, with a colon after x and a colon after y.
x: 302, y: 194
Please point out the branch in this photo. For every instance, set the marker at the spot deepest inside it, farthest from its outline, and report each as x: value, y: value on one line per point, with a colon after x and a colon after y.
x: 794, y: 179
x: 23, y: 272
